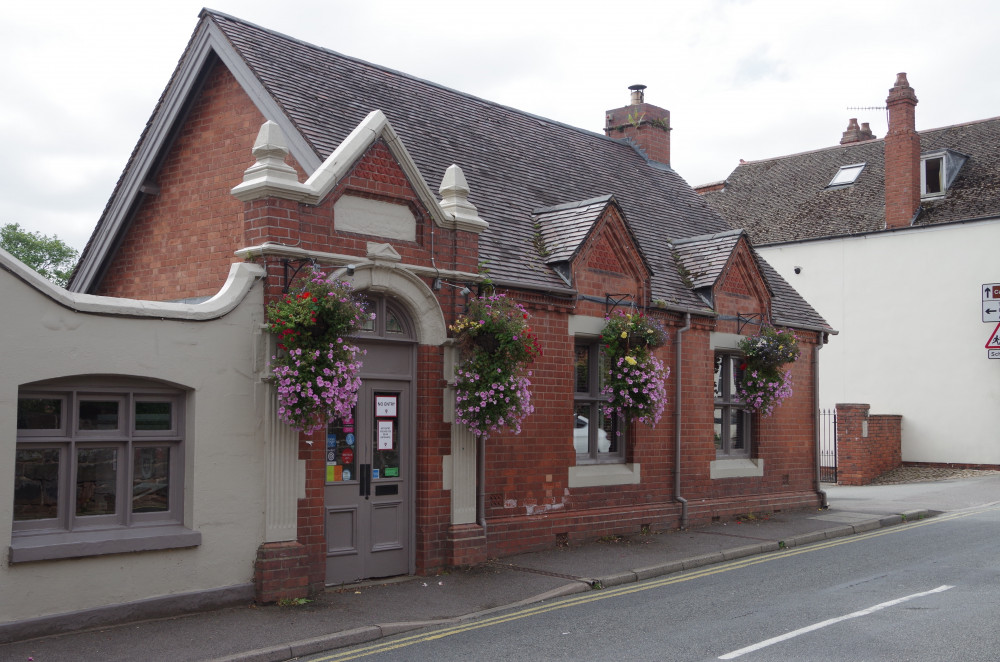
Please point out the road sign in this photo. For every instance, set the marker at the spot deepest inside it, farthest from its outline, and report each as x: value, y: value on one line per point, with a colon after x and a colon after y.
x: 991, y: 291
x: 993, y: 342
x: 991, y: 311
x: 994, y: 353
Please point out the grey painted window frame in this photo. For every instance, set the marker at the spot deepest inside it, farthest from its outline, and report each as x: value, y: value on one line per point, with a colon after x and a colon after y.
x: 730, y: 405
x: 594, y: 400
x: 69, y: 535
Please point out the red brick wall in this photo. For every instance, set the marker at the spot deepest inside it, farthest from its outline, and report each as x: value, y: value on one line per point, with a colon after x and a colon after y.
x: 863, y: 457
x: 181, y: 241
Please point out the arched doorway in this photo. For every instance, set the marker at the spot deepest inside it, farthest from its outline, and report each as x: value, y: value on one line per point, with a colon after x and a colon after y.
x: 370, y: 458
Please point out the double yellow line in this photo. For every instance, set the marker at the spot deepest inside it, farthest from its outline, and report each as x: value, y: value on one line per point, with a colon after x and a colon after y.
x: 604, y: 594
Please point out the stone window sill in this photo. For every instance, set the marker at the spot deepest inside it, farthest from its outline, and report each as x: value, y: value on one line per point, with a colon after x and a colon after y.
x: 737, y: 468
x: 604, y: 475
x: 66, y: 545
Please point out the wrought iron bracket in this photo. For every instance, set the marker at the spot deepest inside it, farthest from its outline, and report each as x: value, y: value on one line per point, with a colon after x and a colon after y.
x: 287, y: 264
x: 612, y: 301
x: 743, y: 320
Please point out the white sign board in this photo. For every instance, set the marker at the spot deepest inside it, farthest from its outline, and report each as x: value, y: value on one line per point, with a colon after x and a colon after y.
x: 385, y: 435
x: 991, y: 302
x: 385, y: 406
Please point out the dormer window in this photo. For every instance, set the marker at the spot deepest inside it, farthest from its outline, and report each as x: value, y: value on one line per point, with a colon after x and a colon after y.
x: 846, y: 175
x: 938, y: 170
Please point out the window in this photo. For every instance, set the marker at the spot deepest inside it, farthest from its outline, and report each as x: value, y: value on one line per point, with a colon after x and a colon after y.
x: 932, y: 176
x: 93, y: 467
x: 938, y: 171
x: 596, y: 436
x: 389, y: 321
x: 732, y: 421
x: 846, y: 175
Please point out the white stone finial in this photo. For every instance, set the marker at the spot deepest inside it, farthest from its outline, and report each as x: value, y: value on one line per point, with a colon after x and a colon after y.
x: 270, y: 150
x: 270, y: 175
x: 454, y: 191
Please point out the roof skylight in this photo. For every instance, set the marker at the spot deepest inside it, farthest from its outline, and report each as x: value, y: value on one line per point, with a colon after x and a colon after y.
x: 846, y: 175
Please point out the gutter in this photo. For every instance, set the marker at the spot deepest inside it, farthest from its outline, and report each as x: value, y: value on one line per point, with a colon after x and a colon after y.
x: 815, y: 359
x: 677, y: 423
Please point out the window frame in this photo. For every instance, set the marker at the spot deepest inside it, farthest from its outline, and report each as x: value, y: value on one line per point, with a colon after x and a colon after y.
x: 942, y: 175
x: 727, y: 405
x: 70, y: 533
x: 593, y: 400
x: 858, y: 167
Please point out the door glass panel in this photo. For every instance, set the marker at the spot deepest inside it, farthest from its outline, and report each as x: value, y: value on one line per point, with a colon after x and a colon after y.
x: 392, y: 323
x: 151, y: 479
x: 36, y: 483
x: 341, y: 450
x: 96, y: 480
x: 385, y: 449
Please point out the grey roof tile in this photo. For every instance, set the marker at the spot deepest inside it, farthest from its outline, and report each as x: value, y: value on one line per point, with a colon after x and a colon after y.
x: 786, y: 198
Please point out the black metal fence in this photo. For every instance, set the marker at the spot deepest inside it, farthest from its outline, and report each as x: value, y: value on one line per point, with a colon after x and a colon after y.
x: 828, y: 445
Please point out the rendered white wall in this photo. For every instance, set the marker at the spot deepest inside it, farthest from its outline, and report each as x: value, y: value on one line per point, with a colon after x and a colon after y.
x: 908, y: 308
x: 224, y: 446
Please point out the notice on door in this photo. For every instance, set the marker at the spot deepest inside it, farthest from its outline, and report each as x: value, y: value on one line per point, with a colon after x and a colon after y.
x: 385, y: 406
x: 385, y: 435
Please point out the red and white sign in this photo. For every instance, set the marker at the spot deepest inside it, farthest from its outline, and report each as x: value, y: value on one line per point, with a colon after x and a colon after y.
x: 993, y: 342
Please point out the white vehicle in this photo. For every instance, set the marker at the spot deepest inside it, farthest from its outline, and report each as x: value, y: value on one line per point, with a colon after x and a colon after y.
x: 581, y: 432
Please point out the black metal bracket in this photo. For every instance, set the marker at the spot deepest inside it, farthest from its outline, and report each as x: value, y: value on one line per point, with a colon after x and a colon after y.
x: 287, y: 264
x: 612, y: 301
x: 743, y: 320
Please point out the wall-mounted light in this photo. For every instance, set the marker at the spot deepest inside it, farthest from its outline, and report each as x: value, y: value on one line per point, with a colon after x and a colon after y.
x: 798, y: 270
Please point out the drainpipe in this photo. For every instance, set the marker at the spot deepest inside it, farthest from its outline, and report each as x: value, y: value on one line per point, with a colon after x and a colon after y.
x: 677, y: 423
x: 481, y: 491
x: 824, y: 338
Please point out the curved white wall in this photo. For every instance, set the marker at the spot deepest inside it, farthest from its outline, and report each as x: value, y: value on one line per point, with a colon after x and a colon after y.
x: 45, y: 335
x: 908, y: 308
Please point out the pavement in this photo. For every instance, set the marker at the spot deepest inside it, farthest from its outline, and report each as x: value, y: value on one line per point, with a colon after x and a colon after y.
x: 372, y: 610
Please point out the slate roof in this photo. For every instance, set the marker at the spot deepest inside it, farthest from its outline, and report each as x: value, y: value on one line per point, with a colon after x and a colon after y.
x: 563, y: 228
x: 705, y: 257
x: 515, y: 162
x: 786, y: 198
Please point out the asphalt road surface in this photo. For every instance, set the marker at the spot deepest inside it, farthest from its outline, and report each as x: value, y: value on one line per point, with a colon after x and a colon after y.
x: 921, y: 591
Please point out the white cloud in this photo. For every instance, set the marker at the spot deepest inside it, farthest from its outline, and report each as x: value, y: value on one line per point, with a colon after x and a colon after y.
x: 743, y: 78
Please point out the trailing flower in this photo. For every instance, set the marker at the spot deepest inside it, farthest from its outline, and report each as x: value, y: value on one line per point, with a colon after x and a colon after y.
x: 765, y: 385
x: 492, y: 382
x: 318, y: 370
x: 634, y: 378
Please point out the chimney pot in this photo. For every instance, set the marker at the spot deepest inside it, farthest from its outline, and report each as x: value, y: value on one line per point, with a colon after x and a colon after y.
x: 638, y: 93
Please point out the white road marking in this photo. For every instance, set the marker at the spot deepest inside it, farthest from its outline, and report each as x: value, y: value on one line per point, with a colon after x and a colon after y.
x: 817, y: 626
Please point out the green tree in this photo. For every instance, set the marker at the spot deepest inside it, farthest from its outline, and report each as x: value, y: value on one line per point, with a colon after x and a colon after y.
x: 50, y: 256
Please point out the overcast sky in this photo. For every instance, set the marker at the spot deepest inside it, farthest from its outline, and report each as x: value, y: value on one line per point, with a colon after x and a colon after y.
x: 744, y: 79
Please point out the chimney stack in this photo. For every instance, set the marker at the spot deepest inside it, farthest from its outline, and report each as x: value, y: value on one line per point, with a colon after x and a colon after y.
x: 853, y: 134
x: 902, y: 156
x: 646, y: 126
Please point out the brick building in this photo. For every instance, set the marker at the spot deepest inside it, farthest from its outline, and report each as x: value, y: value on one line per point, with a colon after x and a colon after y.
x: 893, y: 238
x: 266, y: 149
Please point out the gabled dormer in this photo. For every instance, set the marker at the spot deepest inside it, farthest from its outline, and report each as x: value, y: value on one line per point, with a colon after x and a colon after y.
x: 938, y: 170
x: 723, y: 270
x: 591, y: 246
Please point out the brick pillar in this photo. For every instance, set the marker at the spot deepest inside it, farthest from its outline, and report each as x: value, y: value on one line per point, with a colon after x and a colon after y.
x: 867, y: 446
x: 902, y: 156
x: 297, y: 568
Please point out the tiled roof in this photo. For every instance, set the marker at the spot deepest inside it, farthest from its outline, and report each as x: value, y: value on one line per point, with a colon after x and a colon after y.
x: 515, y: 163
x: 704, y: 258
x: 787, y: 199
x: 563, y: 228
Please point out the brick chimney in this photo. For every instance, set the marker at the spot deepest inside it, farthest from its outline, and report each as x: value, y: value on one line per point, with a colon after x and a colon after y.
x: 854, y: 134
x: 902, y: 156
x: 645, y: 125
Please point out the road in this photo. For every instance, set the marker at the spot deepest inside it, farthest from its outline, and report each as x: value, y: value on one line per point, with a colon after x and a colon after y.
x: 921, y: 591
